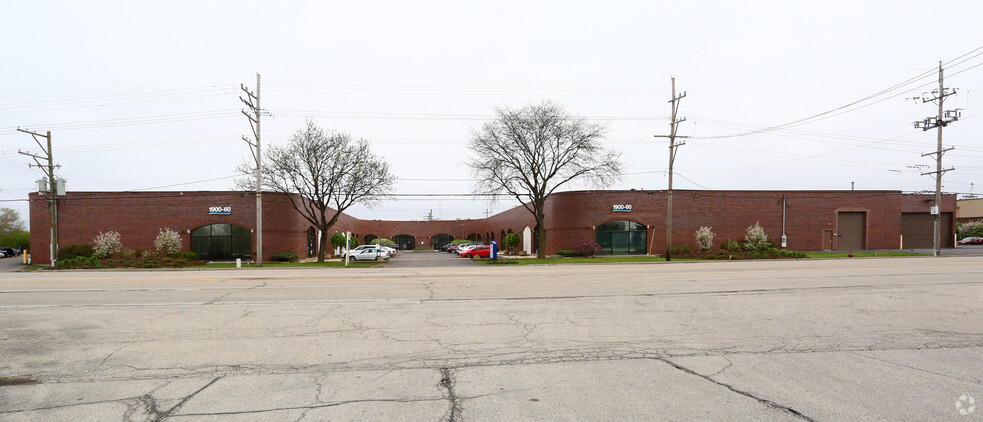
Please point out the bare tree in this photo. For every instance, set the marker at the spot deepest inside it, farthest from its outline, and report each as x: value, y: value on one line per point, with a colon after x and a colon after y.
x: 10, y: 221
x: 529, y: 153
x: 328, y: 172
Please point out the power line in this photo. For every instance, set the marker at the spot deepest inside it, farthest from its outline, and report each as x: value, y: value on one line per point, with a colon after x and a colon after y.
x: 844, y: 108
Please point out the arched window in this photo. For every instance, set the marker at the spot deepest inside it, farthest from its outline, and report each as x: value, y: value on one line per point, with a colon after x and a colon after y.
x: 439, y: 240
x: 405, y: 242
x: 311, y: 242
x: 369, y: 238
x: 621, y: 237
x: 222, y: 242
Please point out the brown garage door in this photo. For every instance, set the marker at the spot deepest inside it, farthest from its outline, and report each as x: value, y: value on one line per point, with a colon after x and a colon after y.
x: 851, y: 231
x: 917, y: 230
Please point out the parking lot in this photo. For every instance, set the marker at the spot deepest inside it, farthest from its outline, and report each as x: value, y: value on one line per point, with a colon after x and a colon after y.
x: 848, y: 339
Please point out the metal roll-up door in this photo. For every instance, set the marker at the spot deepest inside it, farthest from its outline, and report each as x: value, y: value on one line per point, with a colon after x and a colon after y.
x: 917, y: 230
x: 851, y: 231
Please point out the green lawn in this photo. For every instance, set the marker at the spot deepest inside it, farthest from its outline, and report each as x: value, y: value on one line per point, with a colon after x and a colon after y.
x: 595, y: 260
x: 821, y: 255
x: 335, y: 264
x: 617, y: 259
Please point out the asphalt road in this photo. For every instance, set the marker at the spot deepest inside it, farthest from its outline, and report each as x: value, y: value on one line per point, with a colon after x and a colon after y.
x: 824, y: 340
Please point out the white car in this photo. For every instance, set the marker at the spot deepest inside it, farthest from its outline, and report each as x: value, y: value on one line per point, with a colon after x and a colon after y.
x: 461, y: 250
x: 358, y: 249
x: 369, y: 254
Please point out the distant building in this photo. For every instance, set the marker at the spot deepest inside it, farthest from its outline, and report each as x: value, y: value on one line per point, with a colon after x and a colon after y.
x: 969, y: 210
x: 220, y: 226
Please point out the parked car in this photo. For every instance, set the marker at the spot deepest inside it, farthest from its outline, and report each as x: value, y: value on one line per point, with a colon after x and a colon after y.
x: 480, y: 251
x: 972, y: 240
x: 369, y: 254
x: 361, y: 248
x: 9, y: 251
x: 390, y: 250
x: 463, y: 249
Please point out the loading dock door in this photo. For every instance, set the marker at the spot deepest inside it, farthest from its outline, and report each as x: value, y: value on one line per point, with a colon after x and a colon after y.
x: 851, y: 231
x: 917, y: 230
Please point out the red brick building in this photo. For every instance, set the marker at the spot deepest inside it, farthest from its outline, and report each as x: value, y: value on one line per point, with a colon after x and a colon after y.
x: 221, y: 225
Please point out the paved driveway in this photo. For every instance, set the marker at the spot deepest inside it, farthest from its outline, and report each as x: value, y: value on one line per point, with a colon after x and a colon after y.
x: 11, y: 263
x: 425, y: 258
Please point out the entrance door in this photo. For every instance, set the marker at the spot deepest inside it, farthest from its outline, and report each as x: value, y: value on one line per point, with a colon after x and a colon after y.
x: 527, y: 240
x: 827, y: 240
x: 851, y: 231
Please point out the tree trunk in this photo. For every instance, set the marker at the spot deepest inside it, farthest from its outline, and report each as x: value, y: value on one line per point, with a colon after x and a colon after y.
x: 540, y: 233
x: 323, y: 248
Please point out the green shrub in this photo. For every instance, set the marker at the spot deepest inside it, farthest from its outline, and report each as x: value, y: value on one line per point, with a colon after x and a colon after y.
x: 284, y: 257
x: 567, y: 253
x: 504, y: 262
x: 73, y: 251
x: 791, y: 254
x: 685, y: 249
x: 65, y: 263
x: 512, y: 240
x: 674, y: 250
x: 383, y: 241
x: 189, y: 256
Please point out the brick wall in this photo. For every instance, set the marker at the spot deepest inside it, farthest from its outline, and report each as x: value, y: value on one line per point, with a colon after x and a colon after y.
x: 570, y: 218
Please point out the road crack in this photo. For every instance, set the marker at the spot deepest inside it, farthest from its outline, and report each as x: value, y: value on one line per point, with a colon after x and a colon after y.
x: 165, y: 415
x: 766, y: 402
x: 447, y: 381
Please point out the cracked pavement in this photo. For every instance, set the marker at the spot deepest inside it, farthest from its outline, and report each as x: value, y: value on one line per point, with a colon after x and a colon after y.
x: 864, y: 339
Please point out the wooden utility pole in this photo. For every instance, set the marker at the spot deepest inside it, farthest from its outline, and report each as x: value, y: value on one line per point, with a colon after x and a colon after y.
x: 940, y: 121
x: 252, y: 101
x: 52, y: 185
x: 673, y: 126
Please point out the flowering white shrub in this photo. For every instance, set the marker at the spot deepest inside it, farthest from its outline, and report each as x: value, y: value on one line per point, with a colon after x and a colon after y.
x: 168, y: 242
x: 107, y: 244
x: 704, y: 238
x: 755, y: 238
x: 383, y: 241
x: 970, y: 228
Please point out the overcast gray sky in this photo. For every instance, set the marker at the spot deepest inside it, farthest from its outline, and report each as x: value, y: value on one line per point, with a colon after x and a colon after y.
x: 144, y: 95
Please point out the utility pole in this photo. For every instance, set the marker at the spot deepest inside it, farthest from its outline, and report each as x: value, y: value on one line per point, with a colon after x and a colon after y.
x: 942, y: 120
x: 252, y: 101
x: 55, y: 187
x: 673, y: 126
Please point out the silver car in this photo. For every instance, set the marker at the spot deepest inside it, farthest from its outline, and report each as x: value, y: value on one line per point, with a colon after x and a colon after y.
x: 369, y: 254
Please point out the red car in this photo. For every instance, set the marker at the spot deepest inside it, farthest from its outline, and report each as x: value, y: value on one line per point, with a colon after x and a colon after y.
x: 483, y: 251
x: 971, y: 241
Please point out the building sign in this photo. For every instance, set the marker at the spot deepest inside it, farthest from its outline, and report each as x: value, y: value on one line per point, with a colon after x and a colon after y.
x: 621, y: 207
x: 219, y: 210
